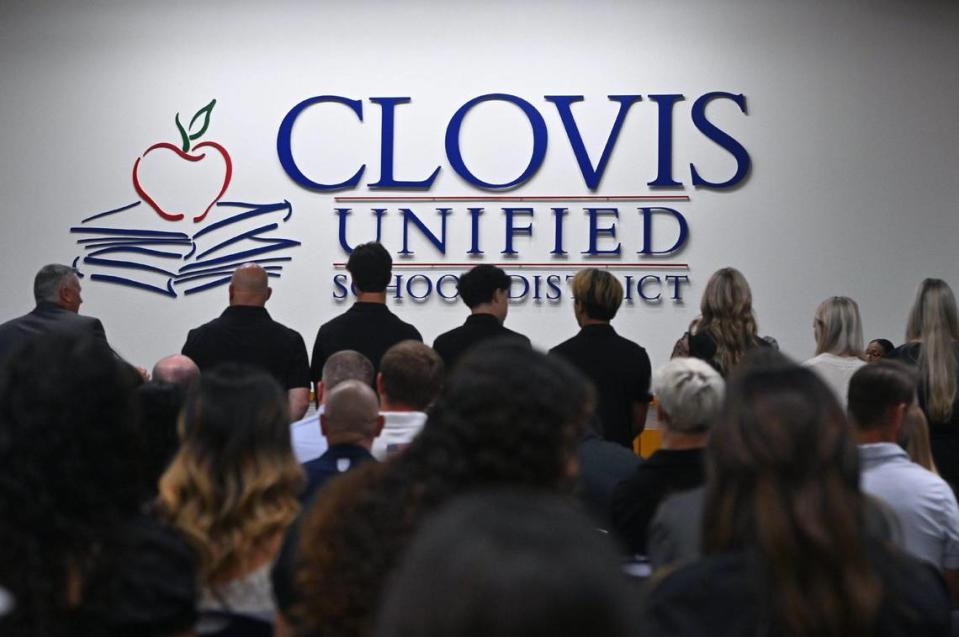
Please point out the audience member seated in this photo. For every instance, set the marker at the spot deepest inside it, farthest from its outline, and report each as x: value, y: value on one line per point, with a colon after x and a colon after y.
x: 159, y: 405
x: 409, y: 380
x: 602, y: 466
x: 618, y: 367
x: 245, y: 333
x: 232, y: 488
x: 880, y: 396
x: 509, y: 417
x: 350, y: 422
x: 725, y: 329
x: 689, y: 394
x: 509, y: 565
x: 878, y: 348
x: 307, y: 438
x: 932, y: 336
x: 838, y: 332
x: 176, y: 369
x: 485, y: 291
x: 56, y: 289
x: 786, y: 550
x: 368, y: 327
x: 914, y: 438
x: 77, y: 556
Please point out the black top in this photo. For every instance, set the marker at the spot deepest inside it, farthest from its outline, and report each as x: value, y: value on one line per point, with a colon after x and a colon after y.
x: 943, y: 435
x: 602, y: 465
x: 620, y: 370
x: 724, y: 596
x: 246, y: 334
x: 478, y: 327
x: 368, y: 328
x: 337, y: 459
x: 45, y: 318
x: 636, y: 499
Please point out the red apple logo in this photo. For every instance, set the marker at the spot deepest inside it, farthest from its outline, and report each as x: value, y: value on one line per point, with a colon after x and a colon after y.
x: 183, y: 152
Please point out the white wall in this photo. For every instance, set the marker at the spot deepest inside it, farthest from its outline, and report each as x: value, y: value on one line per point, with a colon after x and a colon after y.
x: 852, y: 130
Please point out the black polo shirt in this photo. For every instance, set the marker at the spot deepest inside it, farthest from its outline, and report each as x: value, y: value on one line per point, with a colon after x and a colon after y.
x: 620, y: 370
x: 368, y: 328
x: 246, y: 334
x: 478, y: 327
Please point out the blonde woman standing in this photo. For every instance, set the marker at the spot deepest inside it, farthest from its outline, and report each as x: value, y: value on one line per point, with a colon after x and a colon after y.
x: 932, y: 345
x: 726, y: 326
x: 839, y: 344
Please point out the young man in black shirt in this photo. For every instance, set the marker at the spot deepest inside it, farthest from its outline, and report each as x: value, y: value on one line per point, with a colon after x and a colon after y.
x: 485, y: 290
x: 368, y: 327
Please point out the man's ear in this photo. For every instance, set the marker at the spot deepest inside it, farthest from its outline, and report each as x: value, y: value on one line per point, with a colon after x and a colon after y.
x: 269, y: 293
x: 320, y: 392
x: 896, y: 415
x: 380, y: 422
x: 323, y: 421
x: 379, y: 384
x: 230, y: 290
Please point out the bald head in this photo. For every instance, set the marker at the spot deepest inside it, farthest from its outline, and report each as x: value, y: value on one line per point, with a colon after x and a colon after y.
x: 351, y: 413
x: 177, y: 370
x: 249, y: 286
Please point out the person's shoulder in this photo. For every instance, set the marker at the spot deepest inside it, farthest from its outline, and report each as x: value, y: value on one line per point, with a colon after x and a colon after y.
x: 915, y: 587
x: 507, y: 332
x: 448, y: 337
x: 567, y: 346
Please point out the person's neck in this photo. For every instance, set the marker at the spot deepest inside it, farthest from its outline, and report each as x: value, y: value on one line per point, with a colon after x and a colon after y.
x: 371, y: 297
x: 246, y: 302
x: 874, y: 436
x: 583, y: 322
x: 350, y: 439
x: 388, y: 405
x: 485, y: 308
x: 677, y: 441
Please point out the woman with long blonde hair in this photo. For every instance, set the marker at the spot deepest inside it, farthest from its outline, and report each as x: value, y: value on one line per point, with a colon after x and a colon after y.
x: 726, y: 326
x: 232, y: 488
x: 839, y: 343
x: 932, y: 344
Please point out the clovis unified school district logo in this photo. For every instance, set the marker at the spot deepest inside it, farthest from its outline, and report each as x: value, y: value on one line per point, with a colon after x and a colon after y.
x: 186, y: 239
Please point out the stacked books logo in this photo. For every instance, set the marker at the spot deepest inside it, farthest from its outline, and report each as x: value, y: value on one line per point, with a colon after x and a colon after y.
x: 186, y: 238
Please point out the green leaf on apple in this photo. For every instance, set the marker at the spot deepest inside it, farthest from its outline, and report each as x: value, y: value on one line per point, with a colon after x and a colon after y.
x: 187, y: 137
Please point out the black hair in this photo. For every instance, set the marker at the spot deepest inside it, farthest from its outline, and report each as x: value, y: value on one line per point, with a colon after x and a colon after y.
x: 69, y: 474
x: 886, y: 345
x: 512, y: 565
x: 508, y: 416
x: 479, y: 284
x: 160, y: 405
x: 371, y: 266
x: 873, y: 389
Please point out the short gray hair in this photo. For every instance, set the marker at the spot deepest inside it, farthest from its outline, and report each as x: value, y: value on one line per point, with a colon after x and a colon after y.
x: 49, y: 280
x: 344, y: 365
x: 690, y: 392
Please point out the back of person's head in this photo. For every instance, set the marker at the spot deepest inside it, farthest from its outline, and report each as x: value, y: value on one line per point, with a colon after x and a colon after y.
x: 412, y: 375
x: 250, y: 285
x: 232, y: 487
x: 875, y: 389
x: 478, y: 285
x: 782, y: 480
x: 160, y: 405
x: 878, y: 348
x: 510, y: 565
x: 933, y: 321
x: 69, y: 473
x: 914, y: 438
x: 838, y: 327
x: 352, y: 410
x: 508, y: 416
x: 371, y: 267
x: 344, y: 365
x: 176, y: 369
x: 690, y: 393
x: 726, y: 313
x: 49, y: 280
x: 598, y: 293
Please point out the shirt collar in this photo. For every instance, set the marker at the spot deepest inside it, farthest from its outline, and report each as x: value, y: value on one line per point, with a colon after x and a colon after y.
x: 877, y: 452
x: 246, y: 311
x: 482, y: 319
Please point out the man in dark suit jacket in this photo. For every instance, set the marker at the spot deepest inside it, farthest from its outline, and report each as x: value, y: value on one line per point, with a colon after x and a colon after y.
x: 56, y: 289
x: 485, y: 290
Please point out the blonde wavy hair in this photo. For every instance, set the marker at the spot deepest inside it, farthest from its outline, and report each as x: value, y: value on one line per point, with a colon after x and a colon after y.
x: 838, y: 327
x: 933, y: 322
x: 726, y: 314
x: 232, y: 488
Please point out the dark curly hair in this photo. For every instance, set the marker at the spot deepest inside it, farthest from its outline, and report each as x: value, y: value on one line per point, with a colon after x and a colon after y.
x: 68, y: 474
x: 509, y: 416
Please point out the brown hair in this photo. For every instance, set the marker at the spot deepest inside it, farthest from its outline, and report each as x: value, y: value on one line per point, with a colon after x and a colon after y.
x: 232, y: 488
x: 412, y: 374
x: 726, y: 314
x: 782, y: 479
x: 914, y: 438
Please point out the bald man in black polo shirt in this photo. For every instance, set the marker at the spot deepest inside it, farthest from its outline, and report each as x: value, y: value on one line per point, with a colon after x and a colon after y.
x: 368, y: 327
x: 245, y: 333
